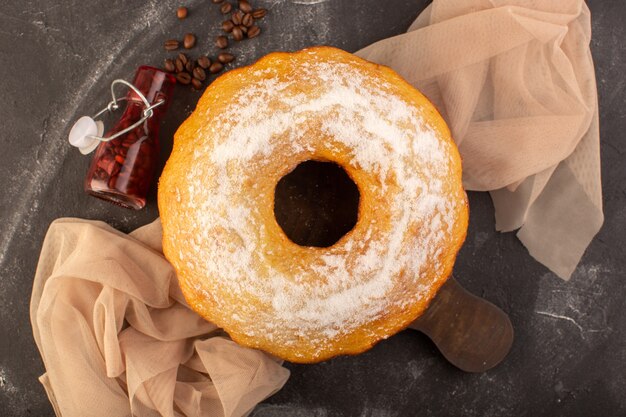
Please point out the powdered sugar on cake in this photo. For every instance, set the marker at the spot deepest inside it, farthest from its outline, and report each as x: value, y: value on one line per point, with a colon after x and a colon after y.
x: 356, y: 281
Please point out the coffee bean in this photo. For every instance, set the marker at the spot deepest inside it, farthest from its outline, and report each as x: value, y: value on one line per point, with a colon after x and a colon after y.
x: 236, y: 17
x: 259, y: 13
x: 180, y: 67
x: 254, y: 31
x: 181, y: 12
x: 196, y: 84
x: 204, y: 62
x: 226, y: 8
x: 247, y: 20
x: 244, y: 6
x: 237, y: 33
x: 221, y: 42
x: 199, y: 73
x: 190, y: 65
x: 215, y: 67
x: 183, y: 77
x: 225, y: 57
x: 169, y: 65
x: 227, y: 26
x: 217, y: 1
x: 171, y: 45
x: 189, y: 41
x: 183, y: 58
x: 243, y: 28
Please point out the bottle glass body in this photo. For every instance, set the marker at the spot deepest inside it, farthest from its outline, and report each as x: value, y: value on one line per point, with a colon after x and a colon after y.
x: 122, y: 169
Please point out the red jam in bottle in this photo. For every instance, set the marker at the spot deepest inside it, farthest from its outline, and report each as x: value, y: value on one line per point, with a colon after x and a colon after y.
x: 122, y: 169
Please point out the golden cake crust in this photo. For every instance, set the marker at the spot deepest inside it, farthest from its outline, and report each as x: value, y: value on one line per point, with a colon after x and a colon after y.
x: 235, y: 265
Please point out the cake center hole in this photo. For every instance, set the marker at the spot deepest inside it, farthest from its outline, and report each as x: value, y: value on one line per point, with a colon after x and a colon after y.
x: 316, y: 204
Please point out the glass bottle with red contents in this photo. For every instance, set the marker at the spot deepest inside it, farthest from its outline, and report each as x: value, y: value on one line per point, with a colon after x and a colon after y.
x: 123, y: 168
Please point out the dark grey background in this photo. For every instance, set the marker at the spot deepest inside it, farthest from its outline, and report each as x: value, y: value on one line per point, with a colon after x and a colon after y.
x: 58, y: 58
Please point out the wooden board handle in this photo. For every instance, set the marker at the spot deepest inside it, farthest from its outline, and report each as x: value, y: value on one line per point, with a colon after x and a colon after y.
x: 473, y: 334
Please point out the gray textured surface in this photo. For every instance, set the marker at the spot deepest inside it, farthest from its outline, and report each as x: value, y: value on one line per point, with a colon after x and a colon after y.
x: 569, y: 357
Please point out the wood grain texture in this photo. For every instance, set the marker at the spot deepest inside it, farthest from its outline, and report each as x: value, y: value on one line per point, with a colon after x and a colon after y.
x: 472, y: 333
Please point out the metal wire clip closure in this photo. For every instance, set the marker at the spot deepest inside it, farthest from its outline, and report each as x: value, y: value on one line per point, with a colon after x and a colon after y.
x: 87, y: 132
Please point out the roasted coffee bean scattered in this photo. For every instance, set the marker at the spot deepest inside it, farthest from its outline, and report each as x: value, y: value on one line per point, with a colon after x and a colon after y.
x: 227, y: 26
x: 169, y: 65
x: 181, y: 13
x: 259, y: 13
x: 199, y: 73
x: 221, y: 42
x: 180, y: 67
x: 247, y: 20
x: 196, y: 84
x: 244, y: 6
x: 237, y: 33
x: 254, y: 31
x: 195, y: 71
x: 225, y: 57
x: 236, y: 17
x: 204, y: 62
x: 189, y: 41
x: 215, y: 67
x: 226, y: 8
x: 183, y: 77
x: 190, y: 65
x: 171, y: 45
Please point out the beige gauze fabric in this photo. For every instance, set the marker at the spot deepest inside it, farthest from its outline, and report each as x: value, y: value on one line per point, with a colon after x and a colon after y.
x: 515, y: 81
x: 117, y: 338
